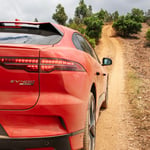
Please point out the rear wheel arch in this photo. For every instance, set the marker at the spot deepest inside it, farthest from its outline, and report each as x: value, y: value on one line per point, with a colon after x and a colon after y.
x: 105, y: 103
x: 93, y: 90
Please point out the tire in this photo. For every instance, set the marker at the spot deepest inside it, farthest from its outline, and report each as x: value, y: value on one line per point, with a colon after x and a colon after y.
x: 105, y: 103
x: 90, y: 126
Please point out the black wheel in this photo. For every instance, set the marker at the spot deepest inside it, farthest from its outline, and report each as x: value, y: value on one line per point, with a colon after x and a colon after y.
x: 90, y: 126
x: 105, y: 103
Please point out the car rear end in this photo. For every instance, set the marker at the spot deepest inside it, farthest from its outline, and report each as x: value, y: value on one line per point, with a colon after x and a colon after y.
x: 40, y: 108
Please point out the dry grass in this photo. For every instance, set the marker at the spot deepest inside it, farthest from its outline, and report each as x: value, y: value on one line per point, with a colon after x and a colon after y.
x: 138, y: 88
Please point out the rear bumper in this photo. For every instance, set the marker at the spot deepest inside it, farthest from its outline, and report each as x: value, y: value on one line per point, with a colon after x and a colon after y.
x: 54, y: 114
x: 59, y: 115
x: 54, y: 143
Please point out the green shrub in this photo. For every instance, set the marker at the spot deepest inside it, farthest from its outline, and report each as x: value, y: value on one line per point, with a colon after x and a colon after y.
x: 93, y: 27
x: 77, y: 27
x: 125, y: 26
x: 91, y: 41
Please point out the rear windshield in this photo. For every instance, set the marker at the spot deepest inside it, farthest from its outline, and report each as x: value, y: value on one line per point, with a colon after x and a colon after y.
x: 28, y: 36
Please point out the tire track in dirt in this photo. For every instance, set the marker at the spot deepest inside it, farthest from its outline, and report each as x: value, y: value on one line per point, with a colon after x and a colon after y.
x: 112, y: 125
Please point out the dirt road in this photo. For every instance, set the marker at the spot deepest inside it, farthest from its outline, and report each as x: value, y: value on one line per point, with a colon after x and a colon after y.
x: 112, y: 125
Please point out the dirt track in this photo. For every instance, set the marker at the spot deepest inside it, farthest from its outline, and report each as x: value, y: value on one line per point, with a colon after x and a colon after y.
x: 112, y: 125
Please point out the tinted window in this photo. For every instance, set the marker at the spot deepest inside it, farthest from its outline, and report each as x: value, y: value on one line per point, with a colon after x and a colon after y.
x: 28, y: 36
x: 81, y: 44
x: 76, y: 42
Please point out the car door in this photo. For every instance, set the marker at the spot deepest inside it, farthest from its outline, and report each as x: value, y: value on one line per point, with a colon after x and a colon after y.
x: 98, y: 71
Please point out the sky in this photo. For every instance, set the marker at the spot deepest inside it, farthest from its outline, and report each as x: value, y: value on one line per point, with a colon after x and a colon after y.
x: 28, y: 10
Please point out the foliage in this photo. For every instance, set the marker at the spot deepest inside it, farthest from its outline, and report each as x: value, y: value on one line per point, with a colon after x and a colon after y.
x: 125, y: 26
x: 148, y: 35
x: 89, y: 11
x: 60, y: 15
x: 93, y: 27
x: 81, y: 30
x: 136, y: 15
x: 115, y: 16
x: 79, y: 27
x: 70, y: 21
x: 82, y: 11
x: 73, y: 25
x: 91, y: 41
x: 104, y: 16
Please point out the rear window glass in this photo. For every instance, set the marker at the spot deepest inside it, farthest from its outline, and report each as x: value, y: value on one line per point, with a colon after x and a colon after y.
x: 28, y: 36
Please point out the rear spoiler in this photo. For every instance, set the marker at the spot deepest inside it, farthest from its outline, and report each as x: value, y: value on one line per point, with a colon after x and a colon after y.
x: 47, y: 26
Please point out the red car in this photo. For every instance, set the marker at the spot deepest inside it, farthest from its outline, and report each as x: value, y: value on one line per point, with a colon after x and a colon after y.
x: 52, y: 86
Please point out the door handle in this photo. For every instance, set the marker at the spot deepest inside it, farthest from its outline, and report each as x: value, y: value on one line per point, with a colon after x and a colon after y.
x: 97, y: 73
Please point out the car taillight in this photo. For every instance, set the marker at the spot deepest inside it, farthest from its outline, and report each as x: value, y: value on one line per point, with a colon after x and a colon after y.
x: 51, y: 64
x: 43, y: 65
x: 27, y: 64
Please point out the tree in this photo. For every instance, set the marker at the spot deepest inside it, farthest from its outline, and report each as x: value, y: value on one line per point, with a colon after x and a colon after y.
x: 125, y: 26
x: 60, y: 15
x: 89, y: 11
x: 115, y: 16
x: 35, y: 20
x: 101, y: 14
x: 104, y: 15
x: 94, y: 27
x: 136, y: 15
x: 70, y: 21
x: 81, y: 12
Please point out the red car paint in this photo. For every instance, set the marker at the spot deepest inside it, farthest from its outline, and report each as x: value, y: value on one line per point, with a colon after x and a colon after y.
x: 44, y: 89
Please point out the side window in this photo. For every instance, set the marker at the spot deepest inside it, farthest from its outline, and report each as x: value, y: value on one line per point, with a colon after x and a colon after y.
x: 76, y: 42
x: 84, y: 44
x: 81, y: 44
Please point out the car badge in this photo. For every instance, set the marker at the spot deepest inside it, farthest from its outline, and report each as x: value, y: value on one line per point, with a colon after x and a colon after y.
x: 22, y: 82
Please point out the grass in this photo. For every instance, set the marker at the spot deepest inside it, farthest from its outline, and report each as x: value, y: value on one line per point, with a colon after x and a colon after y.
x: 134, y: 92
x: 133, y: 84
